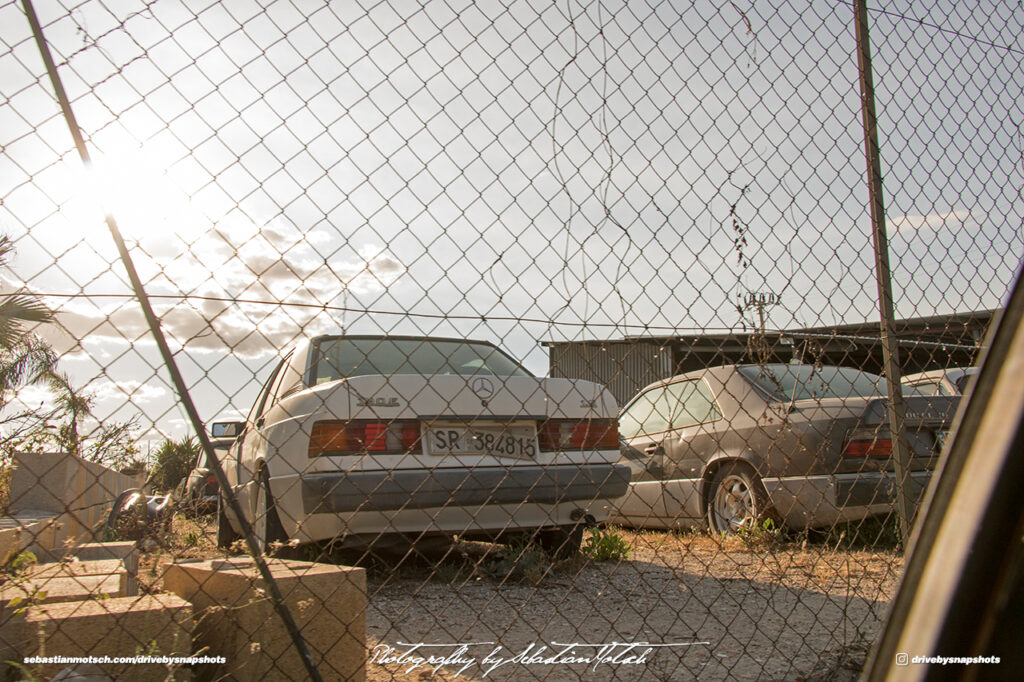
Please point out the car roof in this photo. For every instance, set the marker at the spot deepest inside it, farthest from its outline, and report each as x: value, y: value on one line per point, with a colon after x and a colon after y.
x: 953, y: 373
x: 400, y: 337
x: 722, y: 370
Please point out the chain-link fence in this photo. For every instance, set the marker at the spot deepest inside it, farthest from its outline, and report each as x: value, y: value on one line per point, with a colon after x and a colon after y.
x: 527, y: 340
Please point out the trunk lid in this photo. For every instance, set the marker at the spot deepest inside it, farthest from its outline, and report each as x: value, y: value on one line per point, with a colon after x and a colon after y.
x: 464, y: 421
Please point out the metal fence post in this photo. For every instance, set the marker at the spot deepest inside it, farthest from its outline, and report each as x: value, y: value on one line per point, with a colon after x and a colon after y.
x: 890, y: 348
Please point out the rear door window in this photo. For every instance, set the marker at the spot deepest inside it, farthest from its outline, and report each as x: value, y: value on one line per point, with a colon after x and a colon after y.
x: 649, y: 413
x: 693, y: 403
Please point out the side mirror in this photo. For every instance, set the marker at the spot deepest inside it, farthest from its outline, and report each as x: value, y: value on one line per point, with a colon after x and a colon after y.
x: 227, y: 429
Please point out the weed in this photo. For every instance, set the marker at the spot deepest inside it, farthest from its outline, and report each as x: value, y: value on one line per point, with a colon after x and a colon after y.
x: 764, y: 534
x: 21, y: 562
x: 606, y: 544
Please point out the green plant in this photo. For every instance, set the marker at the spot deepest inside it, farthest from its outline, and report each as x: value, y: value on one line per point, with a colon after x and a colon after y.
x: 21, y: 562
x: 767, y: 532
x: 605, y: 544
x: 174, y: 460
x: 26, y: 674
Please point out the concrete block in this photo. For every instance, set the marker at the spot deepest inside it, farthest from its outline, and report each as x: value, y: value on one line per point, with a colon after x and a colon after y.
x: 125, y: 551
x: 50, y: 589
x: 95, y: 551
x: 127, y: 583
x: 32, y: 531
x: 55, y: 583
x: 64, y: 569
x: 153, y: 625
x: 235, y: 619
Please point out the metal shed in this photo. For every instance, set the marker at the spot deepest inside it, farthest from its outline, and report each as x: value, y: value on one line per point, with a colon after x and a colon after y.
x: 626, y: 365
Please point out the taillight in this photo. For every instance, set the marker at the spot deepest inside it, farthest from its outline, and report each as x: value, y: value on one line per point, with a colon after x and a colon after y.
x: 868, y: 447
x: 577, y: 434
x: 330, y: 438
x: 375, y: 435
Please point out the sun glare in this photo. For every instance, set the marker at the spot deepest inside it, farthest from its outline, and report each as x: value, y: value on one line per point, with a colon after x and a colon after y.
x: 142, y: 199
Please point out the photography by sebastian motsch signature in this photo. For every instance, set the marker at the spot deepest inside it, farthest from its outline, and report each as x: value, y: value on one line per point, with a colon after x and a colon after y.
x: 462, y: 656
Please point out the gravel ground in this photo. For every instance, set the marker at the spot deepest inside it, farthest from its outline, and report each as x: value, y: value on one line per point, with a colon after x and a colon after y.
x: 730, y: 610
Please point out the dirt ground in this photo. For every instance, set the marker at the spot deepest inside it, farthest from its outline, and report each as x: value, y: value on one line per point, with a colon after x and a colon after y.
x: 709, y: 609
x: 716, y: 609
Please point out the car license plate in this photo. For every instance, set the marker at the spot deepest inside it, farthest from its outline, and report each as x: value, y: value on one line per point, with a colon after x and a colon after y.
x: 519, y: 442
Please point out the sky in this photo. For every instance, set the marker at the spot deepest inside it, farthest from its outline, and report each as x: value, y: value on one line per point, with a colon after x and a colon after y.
x: 518, y: 172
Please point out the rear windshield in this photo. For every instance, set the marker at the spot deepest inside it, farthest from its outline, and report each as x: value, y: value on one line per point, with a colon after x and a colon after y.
x: 335, y: 358
x: 808, y: 382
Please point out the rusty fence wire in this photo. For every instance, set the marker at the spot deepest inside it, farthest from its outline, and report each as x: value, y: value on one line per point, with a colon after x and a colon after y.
x: 516, y: 341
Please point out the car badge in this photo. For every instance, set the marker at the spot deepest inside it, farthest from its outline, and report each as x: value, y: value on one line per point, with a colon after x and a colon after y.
x: 376, y: 402
x: 484, y: 388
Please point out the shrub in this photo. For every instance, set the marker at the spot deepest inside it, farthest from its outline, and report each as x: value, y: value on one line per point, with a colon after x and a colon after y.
x: 174, y: 460
x: 605, y: 544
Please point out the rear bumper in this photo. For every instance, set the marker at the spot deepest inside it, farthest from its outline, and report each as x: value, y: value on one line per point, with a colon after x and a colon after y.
x: 818, y: 501
x: 381, y: 491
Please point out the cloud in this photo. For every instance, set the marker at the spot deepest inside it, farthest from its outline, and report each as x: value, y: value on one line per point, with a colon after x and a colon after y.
x: 915, y: 223
x: 276, y: 262
x: 247, y: 290
x: 104, y: 393
x: 122, y: 391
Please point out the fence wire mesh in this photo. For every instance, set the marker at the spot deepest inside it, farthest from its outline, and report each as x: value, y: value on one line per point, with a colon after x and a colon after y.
x: 535, y: 340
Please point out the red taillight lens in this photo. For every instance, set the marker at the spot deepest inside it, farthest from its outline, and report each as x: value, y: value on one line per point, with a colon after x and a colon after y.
x: 375, y: 435
x: 868, y: 447
x: 357, y: 437
x: 549, y: 436
x: 576, y: 434
x: 411, y: 437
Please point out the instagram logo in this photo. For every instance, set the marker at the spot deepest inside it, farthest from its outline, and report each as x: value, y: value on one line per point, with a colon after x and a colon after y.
x: 902, y: 659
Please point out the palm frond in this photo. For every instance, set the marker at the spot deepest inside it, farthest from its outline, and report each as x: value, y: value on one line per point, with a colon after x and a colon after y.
x: 25, y: 362
x: 6, y: 249
x: 15, y: 311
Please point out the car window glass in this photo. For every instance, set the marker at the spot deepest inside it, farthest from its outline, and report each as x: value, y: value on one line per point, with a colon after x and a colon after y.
x: 929, y: 387
x: 808, y: 382
x: 278, y: 385
x: 335, y: 358
x: 693, y: 403
x: 648, y: 414
x: 257, y: 408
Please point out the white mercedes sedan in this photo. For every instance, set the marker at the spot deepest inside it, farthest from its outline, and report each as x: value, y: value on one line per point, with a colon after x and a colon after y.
x: 377, y: 440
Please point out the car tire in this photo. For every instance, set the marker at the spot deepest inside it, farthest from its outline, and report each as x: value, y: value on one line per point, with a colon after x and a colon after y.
x: 561, y: 543
x: 266, y: 527
x: 226, y: 535
x: 736, y: 499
